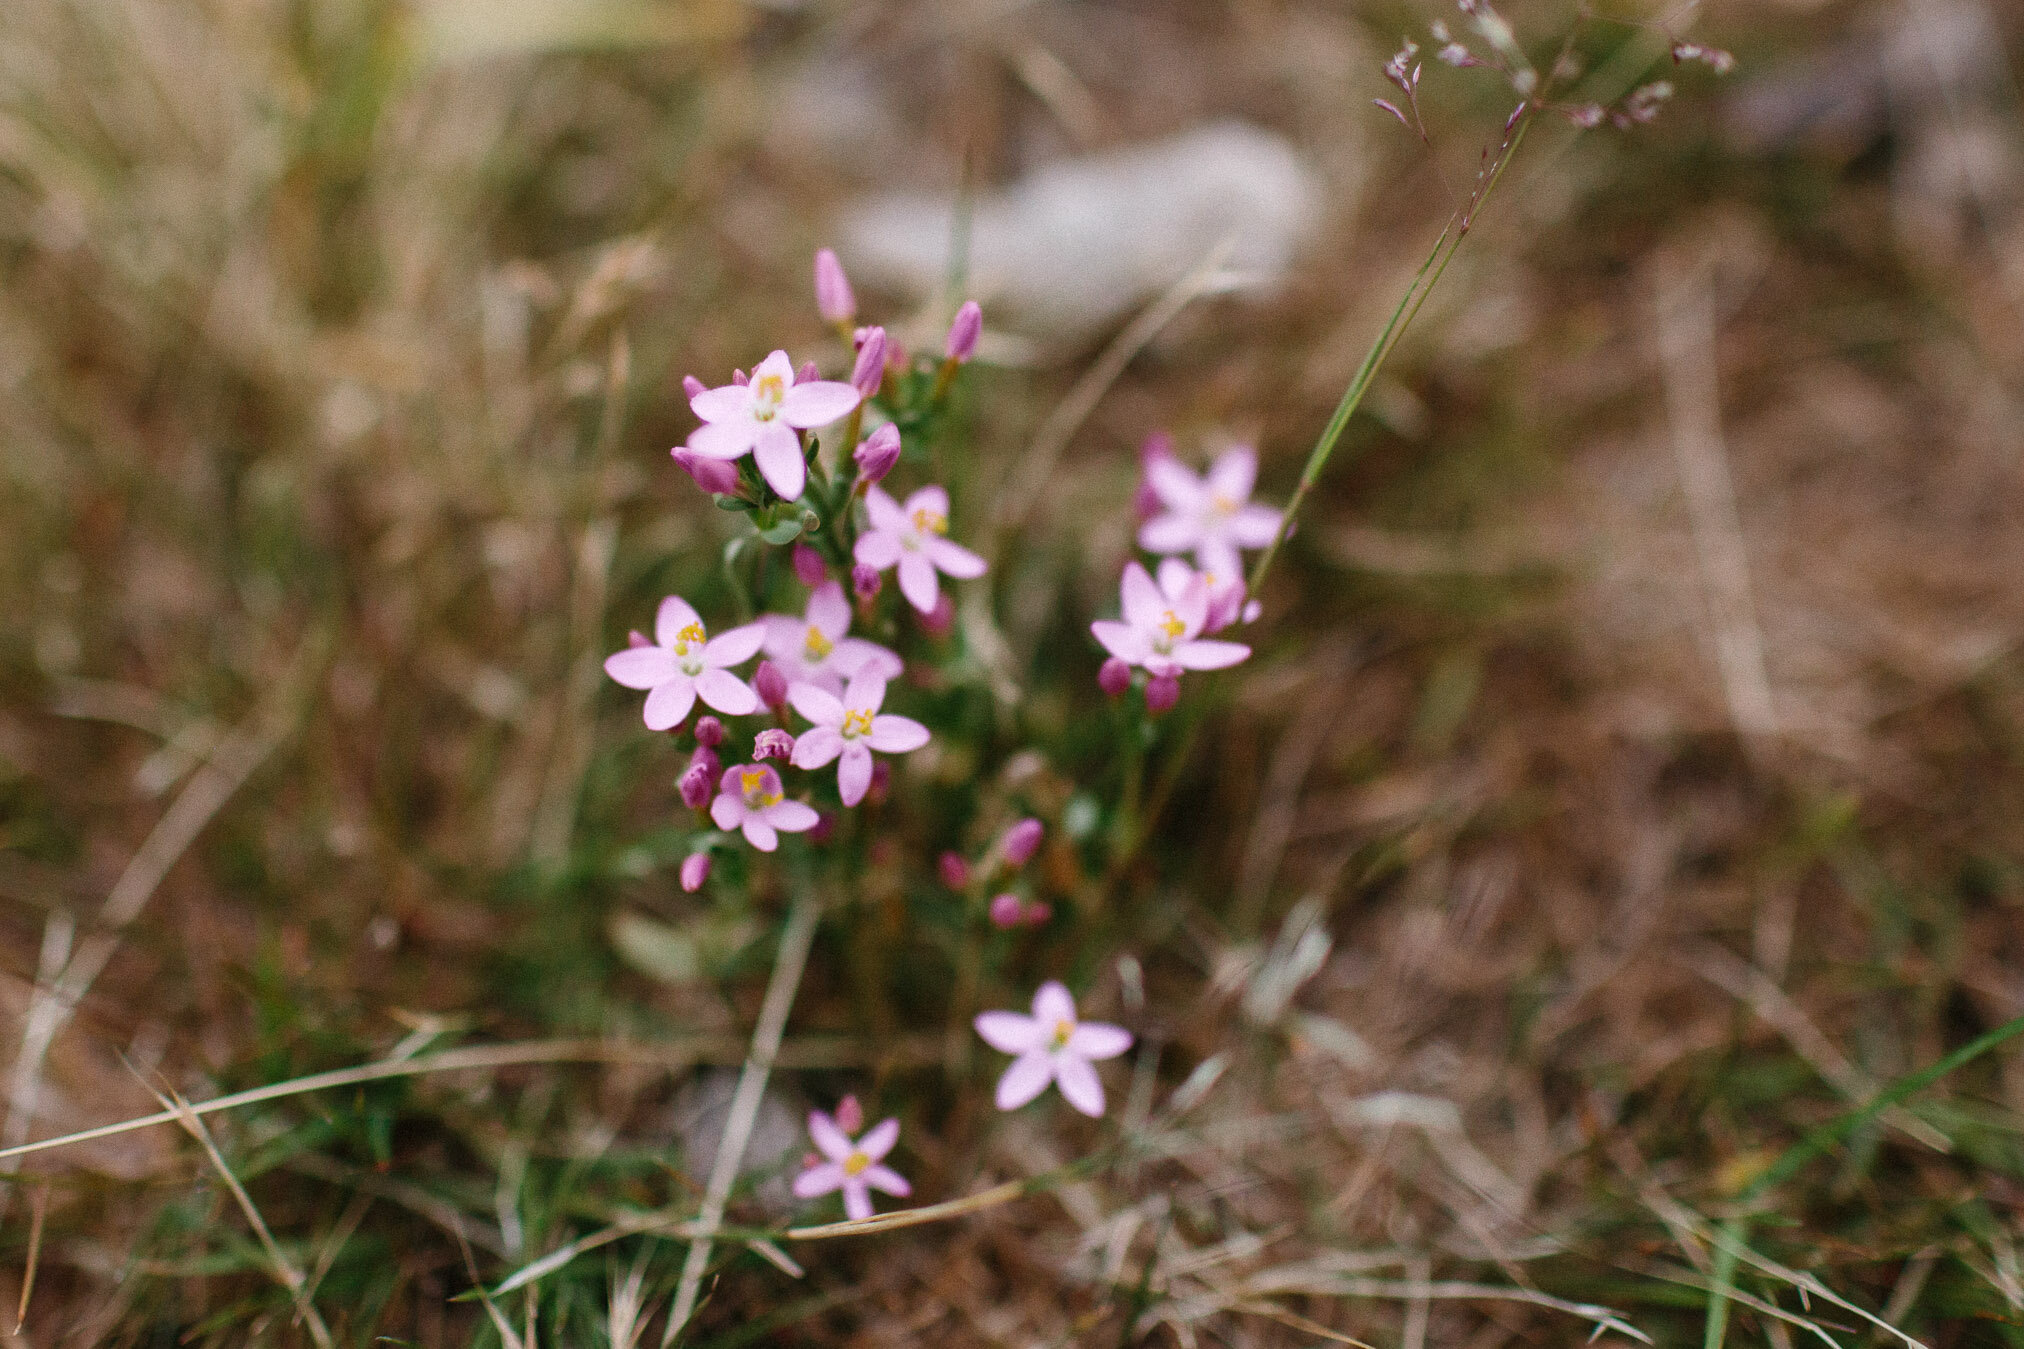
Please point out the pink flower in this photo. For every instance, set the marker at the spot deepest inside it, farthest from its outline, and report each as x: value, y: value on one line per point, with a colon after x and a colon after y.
x: 1021, y: 841
x: 853, y: 1167
x: 712, y: 475
x: 813, y: 649
x: 849, y: 729
x: 749, y: 798
x: 1051, y: 1046
x: 963, y: 333
x: 1211, y: 515
x: 695, y: 870
x: 877, y: 453
x: 762, y: 418
x: 1160, y: 629
x: 1226, y: 593
x: 688, y: 664
x: 833, y: 298
x: 911, y: 537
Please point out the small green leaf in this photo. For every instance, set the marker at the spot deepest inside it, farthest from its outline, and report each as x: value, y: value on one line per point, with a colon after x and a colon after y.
x: 786, y: 531
x: 730, y: 503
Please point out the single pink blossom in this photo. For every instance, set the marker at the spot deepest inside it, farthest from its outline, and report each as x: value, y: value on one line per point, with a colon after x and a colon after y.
x: 911, y: 537
x: 848, y: 729
x: 687, y: 664
x: 1211, y: 515
x: 856, y: 1168
x: 964, y: 332
x: 1226, y: 593
x: 695, y: 870
x: 1051, y: 1046
x: 1021, y: 841
x: 814, y: 649
x: 762, y: 418
x: 877, y: 453
x: 749, y: 798
x: 1161, y: 631
x: 833, y: 298
x: 712, y: 475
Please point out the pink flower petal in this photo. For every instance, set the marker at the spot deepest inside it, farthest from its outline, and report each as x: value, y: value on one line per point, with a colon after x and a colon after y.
x: 723, y: 440
x: 830, y: 1141
x: 727, y: 693
x: 1234, y: 473
x: 1143, y: 604
x: 866, y: 693
x: 933, y: 500
x: 885, y: 513
x: 896, y: 735
x: 918, y: 583
x: 818, y: 404
x: 777, y: 451
x: 670, y: 702
x: 1099, y: 1040
x: 728, y: 811
x: 760, y: 834
x: 878, y: 548
x: 813, y: 749
x: 1122, y: 640
x: 887, y: 1179
x: 1053, y: 1003
x: 1025, y: 1079
x: 784, y: 636
x: 1192, y: 605
x: 674, y: 614
x: 736, y: 646
x: 818, y: 1180
x: 642, y: 667
x: 729, y: 402
x: 853, y: 773
x: 1174, y: 577
x: 1169, y: 534
x: 828, y: 611
x: 856, y: 1199
x: 777, y: 365
x: 791, y: 817
x: 1254, y: 526
x: 1011, y: 1032
x: 1079, y: 1084
x: 879, y: 1139
x: 1180, y: 490
x: 1210, y: 655
x: 854, y: 653
x: 954, y: 560
x: 816, y: 705
x: 1218, y: 557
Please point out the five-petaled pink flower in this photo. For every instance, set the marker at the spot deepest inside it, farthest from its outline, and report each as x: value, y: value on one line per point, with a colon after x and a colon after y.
x: 813, y: 649
x: 749, y: 798
x: 763, y: 417
x: 686, y: 663
x: 1051, y: 1046
x: 1161, y: 628
x: 911, y: 536
x: 856, y: 1168
x: 850, y: 728
x: 1211, y: 515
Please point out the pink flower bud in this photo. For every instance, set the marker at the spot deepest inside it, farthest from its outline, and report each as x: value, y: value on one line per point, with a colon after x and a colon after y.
x: 849, y: 1115
x: 865, y: 581
x: 869, y: 372
x: 808, y: 566
x: 881, y: 781
x: 772, y: 744
x: 833, y: 298
x: 1038, y: 911
x: 707, y: 758
x: 636, y: 638
x: 941, y: 618
x: 740, y: 378
x: 954, y: 869
x: 709, y: 732
x: 963, y: 333
x: 715, y: 476
x: 1021, y: 841
x: 808, y: 373
x: 770, y: 685
x: 696, y: 785
x: 1113, y: 677
x: 1162, y: 692
x: 693, y: 386
x: 1226, y: 604
x: 877, y: 454
x: 695, y: 870
x: 1006, y: 910
x: 824, y: 828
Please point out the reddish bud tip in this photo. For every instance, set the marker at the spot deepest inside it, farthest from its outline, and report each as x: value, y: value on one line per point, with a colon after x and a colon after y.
x: 709, y: 732
x: 849, y: 1115
x: 693, y: 386
x: 881, y: 782
x: 1021, y: 841
x: 695, y: 785
x: 715, y: 476
x: 955, y: 871
x: 636, y: 638
x: 772, y: 744
x: 833, y: 297
x: 963, y: 333
x: 740, y: 378
x: 695, y: 870
x: 1162, y: 692
x: 869, y: 372
x: 808, y: 566
x: 1113, y: 677
x: 941, y: 618
x: 877, y: 454
x: 808, y: 373
x: 1006, y: 911
x: 865, y: 581
x: 770, y: 685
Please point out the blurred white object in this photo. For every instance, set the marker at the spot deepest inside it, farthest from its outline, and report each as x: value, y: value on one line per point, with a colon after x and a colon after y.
x: 1078, y: 243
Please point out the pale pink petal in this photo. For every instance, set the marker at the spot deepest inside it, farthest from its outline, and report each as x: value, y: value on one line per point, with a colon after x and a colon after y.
x: 1218, y: 557
x: 887, y: 1179
x: 1254, y: 526
x: 918, y: 583
x: 1025, y: 1079
x: 896, y: 735
x: 1122, y: 640
x: 1210, y: 655
x: 818, y: 1180
x: 1053, y: 1003
x: 878, y: 548
x: 879, y: 1139
x: 674, y: 614
x: 777, y: 451
x: 931, y: 499
x: 1156, y: 664
x: 856, y: 1199
x: 760, y: 834
x: 727, y: 811
x: 727, y: 693
x: 817, y: 404
x: 791, y: 817
x: 854, y: 653
x: 670, y: 702
x: 1169, y: 534
x: 1079, y: 1084
x: 1179, y: 489
x: 1232, y: 475
x: 1099, y: 1040
x: 1191, y: 606
x: 727, y: 403
x: 1144, y: 606
x: 1011, y: 1032
x: 816, y: 705
x: 885, y: 513
x: 813, y: 749
x: 784, y: 636
x: 642, y: 667
x: 776, y: 364
x: 830, y: 1141
x: 723, y: 440
x: 954, y: 559
x: 736, y: 646
x: 866, y: 693
x: 828, y: 611
x: 1174, y: 577
x: 853, y: 773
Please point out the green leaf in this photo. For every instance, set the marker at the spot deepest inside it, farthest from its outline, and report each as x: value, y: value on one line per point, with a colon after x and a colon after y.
x: 786, y: 531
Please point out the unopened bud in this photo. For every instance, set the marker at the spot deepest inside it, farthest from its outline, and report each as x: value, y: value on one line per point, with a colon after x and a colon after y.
x: 963, y: 333
x: 833, y: 298
x: 1006, y: 911
x: 1162, y: 692
x: 1113, y: 676
x: 954, y: 869
x: 717, y: 476
x: 869, y: 372
x: 740, y: 378
x: 808, y: 373
x: 772, y: 744
x: 1021, y: 841
x: 695, y: 784
x: 1037, y: 912
x: 941, y: 618
x: 693, y: 386
x: 695, y: 870
x: 881, y: 781
x: 877, y: 454
x: 865, y: 581
x: 808, y: 566
x: 849, y: 1115
x: 636, y: 638
x: 770, y: 685
x: 709, y: 732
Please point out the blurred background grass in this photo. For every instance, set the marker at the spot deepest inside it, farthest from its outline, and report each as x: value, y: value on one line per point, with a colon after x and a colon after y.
x: 1633, y: 740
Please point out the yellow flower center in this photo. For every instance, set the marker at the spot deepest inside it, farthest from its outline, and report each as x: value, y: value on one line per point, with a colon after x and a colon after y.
x: 752, y: 782
x: 691, y: 635
x: 767, y: 391
x: 1172, y: 626
x: 815, y: 645
x: 856, y: 1164
x: 930, y: 522
x: 856, y: 724
x: 1062, y: 1031
x: 1222, y: 504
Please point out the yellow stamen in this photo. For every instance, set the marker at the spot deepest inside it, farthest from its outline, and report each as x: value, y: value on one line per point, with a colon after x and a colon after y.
x: 1222, y: 504
x: 1172, y: 626
x: 815, y: 644
x: 690, y: 635
x: 856, y: 723
x: 856, y: 1164
x: 767, y: 391
x: 751, y: 780
x: 1062, y: 1031
x: 929, y: 522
